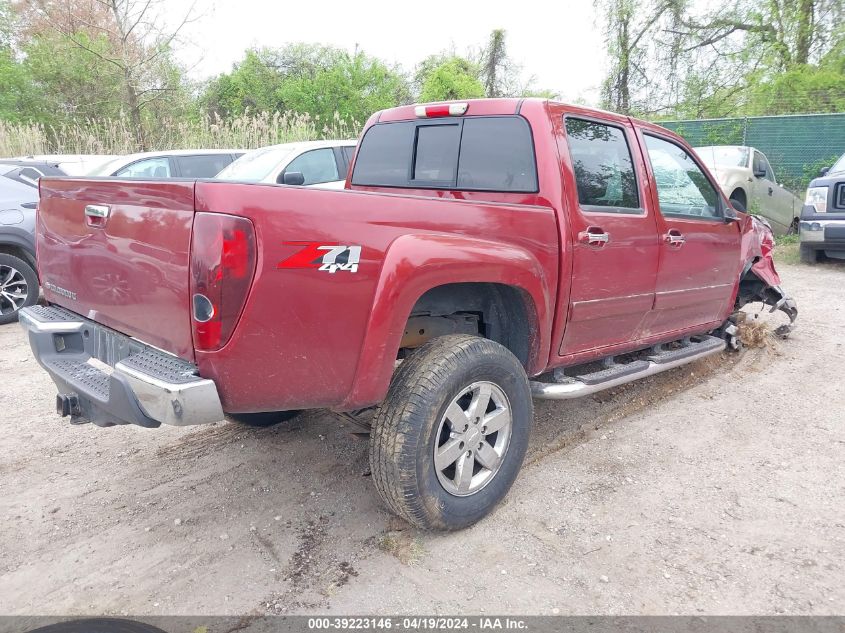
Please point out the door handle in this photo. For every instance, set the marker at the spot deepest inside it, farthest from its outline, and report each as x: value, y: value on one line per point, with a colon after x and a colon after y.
x: 674, y: 238
x: 594, y: 236
x: 96, y: 214
x: 770, y: 191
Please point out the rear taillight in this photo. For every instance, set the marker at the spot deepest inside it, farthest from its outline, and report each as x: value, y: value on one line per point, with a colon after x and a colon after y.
x: 442, y: 109
x: 222, y: 268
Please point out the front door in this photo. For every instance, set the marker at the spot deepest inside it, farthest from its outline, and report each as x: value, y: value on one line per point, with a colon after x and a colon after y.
x: 614, y: 235
x: 775, y: 202
x: 699, y: 250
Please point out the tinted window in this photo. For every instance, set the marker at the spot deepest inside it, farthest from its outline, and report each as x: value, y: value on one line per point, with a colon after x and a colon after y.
x: 490, y: 153
x: 437, y: 152
x: 207, y: 166
x: 348, y: 153
x: 147, y: 168
x: 497, y: 154
x: 384, y: 155
x: 762, y: 164
x: 682, y: 188
x: 604, y: 171
x: 317, y: 166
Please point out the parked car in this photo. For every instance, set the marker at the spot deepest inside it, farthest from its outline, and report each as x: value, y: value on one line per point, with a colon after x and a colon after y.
x: 491, y: 250
x: 70, y: 164
x: 315, y: 163
x: 823, y: 216
x: 747, y: 178
x: 177, y: 163
x: 18, y: 279
x: 28, y: 172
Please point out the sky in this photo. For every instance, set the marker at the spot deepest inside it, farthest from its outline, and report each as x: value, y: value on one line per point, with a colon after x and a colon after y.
x: 559, y: 43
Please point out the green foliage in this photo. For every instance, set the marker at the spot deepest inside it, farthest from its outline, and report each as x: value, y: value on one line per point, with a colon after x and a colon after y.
x: 454, y: 78
x: 321, y: 81
x: 800, y: 89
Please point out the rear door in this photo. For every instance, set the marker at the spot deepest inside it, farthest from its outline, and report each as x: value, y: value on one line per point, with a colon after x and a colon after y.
x: 699, y: 250
x: 612, y: 223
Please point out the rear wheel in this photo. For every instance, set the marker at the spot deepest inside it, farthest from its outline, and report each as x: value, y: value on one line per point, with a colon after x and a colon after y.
x: 18, y: 286
x: 267, y: 418
x: 449, y: 439
x: 808, y: 254
x: 793, y: 228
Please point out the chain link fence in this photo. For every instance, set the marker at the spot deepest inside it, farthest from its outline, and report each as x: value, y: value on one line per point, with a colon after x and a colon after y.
x: 797, y: 145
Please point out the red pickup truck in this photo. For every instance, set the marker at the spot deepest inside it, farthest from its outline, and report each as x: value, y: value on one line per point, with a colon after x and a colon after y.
x: 482, y: 252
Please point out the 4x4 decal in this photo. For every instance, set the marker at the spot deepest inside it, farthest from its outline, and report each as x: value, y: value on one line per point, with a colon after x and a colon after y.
x: 326, y: 257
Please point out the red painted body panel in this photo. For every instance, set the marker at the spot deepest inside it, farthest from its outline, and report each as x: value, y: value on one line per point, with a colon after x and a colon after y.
x: 131, y: 273
x: 311, y: 338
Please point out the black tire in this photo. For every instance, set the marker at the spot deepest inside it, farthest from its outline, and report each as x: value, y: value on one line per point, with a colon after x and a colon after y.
x: 266, y: 418
x: 408, y: 425
x: 808, y: 254
x: 793, y: 227
x: 22, y: 279
x: 739, y: 205
x: 99, y: 625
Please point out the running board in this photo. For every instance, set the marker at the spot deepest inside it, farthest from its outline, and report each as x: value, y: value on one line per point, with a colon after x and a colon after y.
x: 660, y: 359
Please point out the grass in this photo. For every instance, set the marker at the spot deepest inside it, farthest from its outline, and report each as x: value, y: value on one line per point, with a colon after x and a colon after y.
x: 786, y: 250
x: 114, y: 136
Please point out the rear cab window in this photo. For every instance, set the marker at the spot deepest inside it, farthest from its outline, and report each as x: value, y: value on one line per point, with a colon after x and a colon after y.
x: 490, y: 153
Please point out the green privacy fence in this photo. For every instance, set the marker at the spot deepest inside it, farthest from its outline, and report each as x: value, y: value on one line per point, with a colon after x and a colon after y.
x: 797, y: 145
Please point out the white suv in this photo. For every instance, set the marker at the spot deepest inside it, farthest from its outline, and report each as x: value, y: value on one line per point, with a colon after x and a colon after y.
x: 311, y: 163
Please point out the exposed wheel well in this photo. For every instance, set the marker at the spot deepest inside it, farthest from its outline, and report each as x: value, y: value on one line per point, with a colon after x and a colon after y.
x: 19, y: 252
x: 502, y: 313
x: 739, y: 195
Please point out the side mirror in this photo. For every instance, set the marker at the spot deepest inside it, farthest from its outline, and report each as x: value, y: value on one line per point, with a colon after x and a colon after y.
x: 759, y: 172
x: 823, y: 171
x: 731, y: 214
x: 294, y: 178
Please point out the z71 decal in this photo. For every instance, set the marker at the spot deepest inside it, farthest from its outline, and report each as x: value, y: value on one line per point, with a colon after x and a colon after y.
x: 329, y: 258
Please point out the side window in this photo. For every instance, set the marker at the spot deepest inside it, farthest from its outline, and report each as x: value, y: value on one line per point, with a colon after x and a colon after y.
x: 682, y: 188
x: 207, y: 166
x: 147, y: 168
x: 317, y: 166
x: 348, y: 153
x: 604, y: 170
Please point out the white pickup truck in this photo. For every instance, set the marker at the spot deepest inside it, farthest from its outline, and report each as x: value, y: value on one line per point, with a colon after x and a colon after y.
x: 747, y: 178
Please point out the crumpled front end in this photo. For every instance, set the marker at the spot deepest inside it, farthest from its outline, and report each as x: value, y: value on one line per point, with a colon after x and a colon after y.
x: 759, y: 280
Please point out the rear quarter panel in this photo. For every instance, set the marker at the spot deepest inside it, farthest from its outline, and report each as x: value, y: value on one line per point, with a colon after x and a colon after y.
x: 309, y: 338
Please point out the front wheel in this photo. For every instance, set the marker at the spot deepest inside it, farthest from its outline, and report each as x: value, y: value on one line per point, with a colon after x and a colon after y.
x: 449, y: 439
x: 18, y: 287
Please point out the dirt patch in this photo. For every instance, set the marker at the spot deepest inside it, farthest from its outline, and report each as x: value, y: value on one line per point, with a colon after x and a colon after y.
x: 710, y: 489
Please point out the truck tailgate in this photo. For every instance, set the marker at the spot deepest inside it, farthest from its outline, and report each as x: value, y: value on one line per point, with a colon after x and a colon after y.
x: 128, y: 267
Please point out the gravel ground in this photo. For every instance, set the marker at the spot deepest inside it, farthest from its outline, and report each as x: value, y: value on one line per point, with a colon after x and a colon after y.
x: 714, y: 489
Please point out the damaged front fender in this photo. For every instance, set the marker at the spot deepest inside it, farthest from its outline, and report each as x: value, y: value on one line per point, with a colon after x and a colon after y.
x: 759, y: 280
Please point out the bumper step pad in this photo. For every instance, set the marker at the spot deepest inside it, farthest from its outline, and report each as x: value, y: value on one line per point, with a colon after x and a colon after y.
x: 107, y: 378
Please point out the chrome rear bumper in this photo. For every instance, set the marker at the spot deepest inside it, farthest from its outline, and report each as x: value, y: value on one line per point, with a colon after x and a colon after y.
x: 108, y: 378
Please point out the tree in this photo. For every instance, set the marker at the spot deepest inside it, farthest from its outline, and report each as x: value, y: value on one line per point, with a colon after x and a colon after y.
x: 128, y: 36
x: 309, y: 79
x: 453, y: 78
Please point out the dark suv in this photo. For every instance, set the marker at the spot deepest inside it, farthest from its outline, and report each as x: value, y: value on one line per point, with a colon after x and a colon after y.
x: 822, y: 228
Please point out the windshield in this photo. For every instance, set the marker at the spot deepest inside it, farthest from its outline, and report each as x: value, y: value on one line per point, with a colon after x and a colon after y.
x: 109, y: 167
x: 256, y: 165
x: 838, y: 166
x: 724, y: 156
